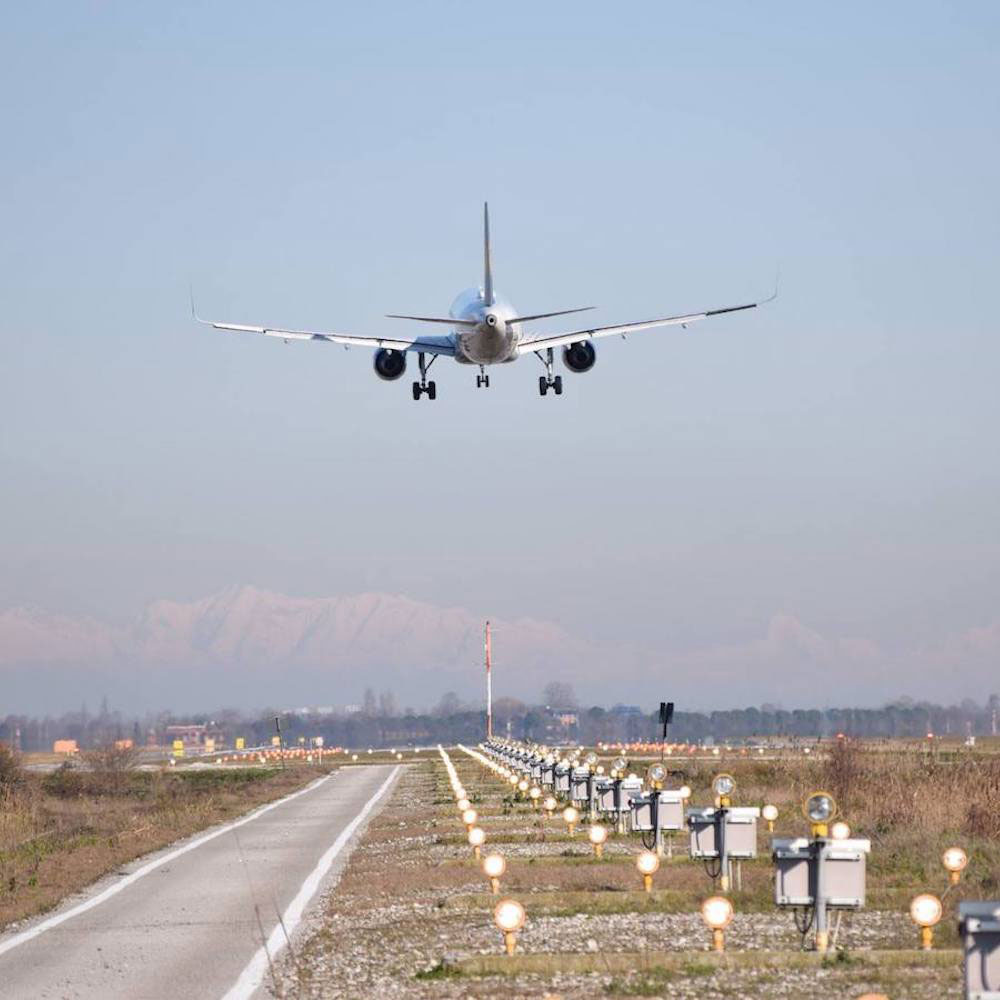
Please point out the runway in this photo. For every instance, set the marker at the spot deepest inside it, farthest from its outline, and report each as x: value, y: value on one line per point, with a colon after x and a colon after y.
x: 193, y: 919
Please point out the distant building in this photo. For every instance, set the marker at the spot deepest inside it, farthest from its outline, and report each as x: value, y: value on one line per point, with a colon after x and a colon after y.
x: 190, y: 736
x: 65, y: 746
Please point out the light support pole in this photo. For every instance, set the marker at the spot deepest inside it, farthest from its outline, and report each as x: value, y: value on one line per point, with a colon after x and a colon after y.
x: 489, y: 684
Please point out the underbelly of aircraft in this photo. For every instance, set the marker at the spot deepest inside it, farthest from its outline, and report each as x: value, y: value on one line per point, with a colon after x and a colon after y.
x: 485, y: 347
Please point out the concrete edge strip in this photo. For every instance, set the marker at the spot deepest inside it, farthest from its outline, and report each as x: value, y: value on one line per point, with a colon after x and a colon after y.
x: 127, y: 880
x: 256, y: 969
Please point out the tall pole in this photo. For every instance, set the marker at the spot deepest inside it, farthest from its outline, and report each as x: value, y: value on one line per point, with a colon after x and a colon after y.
x: 489, y: 684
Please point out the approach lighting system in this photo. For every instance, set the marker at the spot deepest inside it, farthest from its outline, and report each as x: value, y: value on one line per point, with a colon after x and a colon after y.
x: 770, y: 813
x: 509, y: 918
x: 925, y: 911
x: 597, y: 835
x: 656, y: 774
x: 647, y: 863
x: 571, y: 814
x: 723, y: 785
x: 819, y: 809
x: 493, y: 867
x: 717, y: 912
x: 954, y: 859
x: 469, y: 817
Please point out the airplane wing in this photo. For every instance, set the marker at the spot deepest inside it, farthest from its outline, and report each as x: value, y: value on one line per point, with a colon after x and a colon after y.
x: 559, y: 339
x: 426, y: 344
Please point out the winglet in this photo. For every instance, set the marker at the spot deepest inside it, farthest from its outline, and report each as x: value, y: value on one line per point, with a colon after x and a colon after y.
x: 194, y: 312
x: 487, y: 258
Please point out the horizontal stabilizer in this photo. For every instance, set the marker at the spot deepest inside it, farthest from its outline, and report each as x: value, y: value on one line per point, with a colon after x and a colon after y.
x: 561, y: 312
x: 434, y: 319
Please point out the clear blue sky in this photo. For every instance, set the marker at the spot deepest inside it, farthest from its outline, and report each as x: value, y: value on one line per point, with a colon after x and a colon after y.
x: 832, y: 457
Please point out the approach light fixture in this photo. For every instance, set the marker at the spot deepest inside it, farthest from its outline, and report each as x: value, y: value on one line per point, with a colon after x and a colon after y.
x: 597, y: 835
x: 656, y: 774
x: 819, y: 809
x: 840, y: 830
x: 509, y: 918
x: 591, y: 759
x: 535, y: 794
x: 571, y: 814
x: 723, y: 786
x: 469, y: 817
x: 647, y: 863
x: 955, y: 860
x: 493, y: 867
x: 925, y: 911
x: 619, y: 763
x: 463, y: 804
x: 550, y: 805
x: 685, y: 792
x: 522, y: 785
x: 717, y: 912
x: 770, y: 813
x: 477, y: 837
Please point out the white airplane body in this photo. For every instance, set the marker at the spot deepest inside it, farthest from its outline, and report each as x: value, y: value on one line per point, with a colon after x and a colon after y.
x: 485, y: 330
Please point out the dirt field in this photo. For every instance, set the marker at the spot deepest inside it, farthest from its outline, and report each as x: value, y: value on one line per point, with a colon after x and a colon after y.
x: 413, y: 915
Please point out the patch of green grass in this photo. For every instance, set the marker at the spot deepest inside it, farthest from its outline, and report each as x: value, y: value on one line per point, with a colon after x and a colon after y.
x: 439, y: 970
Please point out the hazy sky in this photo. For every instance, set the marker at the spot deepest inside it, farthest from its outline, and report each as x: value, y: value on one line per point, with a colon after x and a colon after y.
x: 831, y: 458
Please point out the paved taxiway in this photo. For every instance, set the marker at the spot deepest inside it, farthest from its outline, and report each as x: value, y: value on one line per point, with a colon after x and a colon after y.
x: 184, y: 921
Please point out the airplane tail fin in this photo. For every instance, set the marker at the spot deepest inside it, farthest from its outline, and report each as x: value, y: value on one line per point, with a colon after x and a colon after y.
x: 488, y: 293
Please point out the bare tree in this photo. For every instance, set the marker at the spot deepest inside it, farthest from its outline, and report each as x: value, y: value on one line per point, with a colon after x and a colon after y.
x: 558, y: 694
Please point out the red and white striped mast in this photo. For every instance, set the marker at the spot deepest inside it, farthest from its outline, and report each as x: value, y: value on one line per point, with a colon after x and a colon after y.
x: 489, y: 684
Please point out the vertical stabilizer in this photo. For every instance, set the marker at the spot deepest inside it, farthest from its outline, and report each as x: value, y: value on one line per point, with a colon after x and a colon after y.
x: 487, y: 258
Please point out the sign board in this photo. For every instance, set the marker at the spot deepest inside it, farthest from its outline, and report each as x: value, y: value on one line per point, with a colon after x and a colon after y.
x: 276, y: 741
x: 209, y: 744
x: 178, y: 748
x: 240, y: 743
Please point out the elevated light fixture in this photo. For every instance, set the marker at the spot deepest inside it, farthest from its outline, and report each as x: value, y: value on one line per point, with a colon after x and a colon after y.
x: 469, y: 817
x: 522, y: 785
x: 647, y: 863
x: 925, y: 911
x: 477, y: 838
x: 550, y: 805
x: 571, y: 814
x: 493, y: 867
x: 840, y: 830
x: 717, y: 912
x: 509, y: 918
x: 535, y: 794
x: 723, y: 786
x: 463, y: 804
x: 954, y: 859
x: 820, y: 808
x: 591, y: 759
x: 656, y: 774
x: 685, y: 792
x: 597, y: 835
x: 770, y: 813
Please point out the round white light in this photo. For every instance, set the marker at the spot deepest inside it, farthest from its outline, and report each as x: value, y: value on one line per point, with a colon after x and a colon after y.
x: 717, y: 912
x: 925, y: 910
x: 770, y: 813
x: 550, y: 804
x: 509, y: 915
x: 469, y: 816
x: 476, y: 836
x: 597, y: 834
x: 954, y: 859
x: 647, y: 862
x: 494, y: 865
x: 840, y: 830
x: 685, y: 791
x: 820, y: 807
x: 535, y: 793
x: 463, y: 804
x: 522, y: 785
x: 571, y: 814
x: 723, y: 784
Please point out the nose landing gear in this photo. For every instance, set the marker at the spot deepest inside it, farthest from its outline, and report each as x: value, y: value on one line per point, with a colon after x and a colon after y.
x: 423, y: 386
x: 548, y: 381
x: 482, y: 379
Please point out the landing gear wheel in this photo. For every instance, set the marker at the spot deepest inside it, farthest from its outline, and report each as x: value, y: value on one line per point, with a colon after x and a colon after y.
x: 416, y: 390
x: 557, y: 385
x: 543, y: 385
x: 432, y: 390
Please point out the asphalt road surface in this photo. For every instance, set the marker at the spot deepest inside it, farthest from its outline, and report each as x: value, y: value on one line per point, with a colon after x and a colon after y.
x: 184, y: 922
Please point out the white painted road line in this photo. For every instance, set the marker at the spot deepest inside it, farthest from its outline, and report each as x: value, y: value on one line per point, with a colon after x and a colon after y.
x: 88, y: 904
x: 253, y: 975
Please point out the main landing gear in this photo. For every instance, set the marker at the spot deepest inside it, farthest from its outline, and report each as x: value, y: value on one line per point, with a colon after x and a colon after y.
x: 423, y: 386
x: 548, y: 381
x: 482, y: 379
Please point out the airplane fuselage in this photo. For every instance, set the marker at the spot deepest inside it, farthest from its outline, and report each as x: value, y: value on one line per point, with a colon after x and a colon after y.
x: 494, y: 339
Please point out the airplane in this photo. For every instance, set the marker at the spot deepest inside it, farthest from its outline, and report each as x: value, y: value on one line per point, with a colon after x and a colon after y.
x: 486, y: 330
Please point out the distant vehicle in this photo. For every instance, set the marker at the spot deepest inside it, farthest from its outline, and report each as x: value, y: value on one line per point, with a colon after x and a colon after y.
x: 487, y: 330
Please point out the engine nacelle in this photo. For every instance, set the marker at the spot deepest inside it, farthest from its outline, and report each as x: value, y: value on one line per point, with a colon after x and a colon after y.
x: 390, y: 364
x: 579, y: 357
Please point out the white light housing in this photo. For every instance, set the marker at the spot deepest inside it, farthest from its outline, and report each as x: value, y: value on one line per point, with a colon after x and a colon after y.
x: 717, y: 912
x: 723, y: 784
x: 469, y: 816
x: 685, y: 791
x: 647, y: 862
x: 840, y: 830
x: 925, y: 910
x: 509, y: 915
x: 571, y: 814
x: 477, y: 836
x: 494, y: 865
x: 550, y: 804
x: 656, y: 773
x: 820, y: 807
x: 770, y: 813
x: 954, y: 859
x: 598, y: 834
x: 463, y: 804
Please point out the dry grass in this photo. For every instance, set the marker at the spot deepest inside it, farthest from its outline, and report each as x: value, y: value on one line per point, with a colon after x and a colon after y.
x: 60, y: 832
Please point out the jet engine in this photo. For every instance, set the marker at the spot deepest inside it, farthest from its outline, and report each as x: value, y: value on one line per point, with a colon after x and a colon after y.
x: 579, y: 357
x: 389, y: 364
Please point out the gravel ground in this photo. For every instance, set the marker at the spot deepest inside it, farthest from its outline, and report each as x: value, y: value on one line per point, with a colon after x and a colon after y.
x: 411, y: 903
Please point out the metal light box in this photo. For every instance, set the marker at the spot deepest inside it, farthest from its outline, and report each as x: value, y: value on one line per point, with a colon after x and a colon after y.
x: 844, y: 871
x: 740, y: 832
x: 979, y: 929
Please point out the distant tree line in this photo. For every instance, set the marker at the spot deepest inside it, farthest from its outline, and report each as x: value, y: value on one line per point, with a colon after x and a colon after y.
x: 377, y: 722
